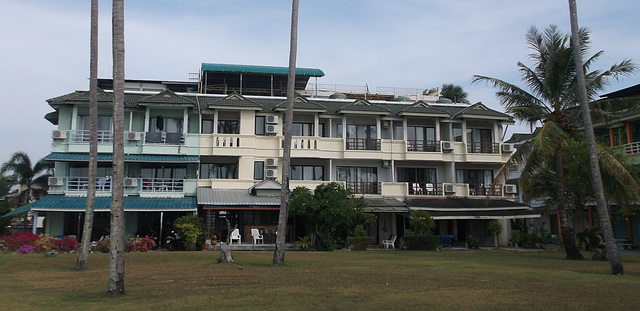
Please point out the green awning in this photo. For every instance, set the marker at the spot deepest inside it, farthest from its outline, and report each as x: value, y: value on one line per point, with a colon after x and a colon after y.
x: 22, y: 209
x: 52, y: 117
x: 311, y: 72
x: 61, y: 203
x: 107, y: 157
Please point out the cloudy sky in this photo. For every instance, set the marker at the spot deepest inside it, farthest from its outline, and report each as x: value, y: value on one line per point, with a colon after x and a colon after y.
x: 44, y: 45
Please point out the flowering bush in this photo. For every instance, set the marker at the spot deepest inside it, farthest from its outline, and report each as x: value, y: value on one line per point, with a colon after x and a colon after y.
x: 15, y: 240
x: 68, y: 244
x: 103, y: 246
x: 26, y: 249
x: 45, y: 243
x: 144, y: 244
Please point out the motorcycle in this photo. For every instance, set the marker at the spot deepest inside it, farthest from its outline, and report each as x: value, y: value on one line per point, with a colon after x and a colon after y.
x: 173, y: 242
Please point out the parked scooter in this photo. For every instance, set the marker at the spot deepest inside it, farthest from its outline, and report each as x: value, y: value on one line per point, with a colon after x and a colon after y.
x: 173, y: 242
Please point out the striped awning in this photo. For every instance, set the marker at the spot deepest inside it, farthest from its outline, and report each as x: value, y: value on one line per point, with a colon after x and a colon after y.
x: 62, y: 203
x: 107, y: 157
x: 229, y: 199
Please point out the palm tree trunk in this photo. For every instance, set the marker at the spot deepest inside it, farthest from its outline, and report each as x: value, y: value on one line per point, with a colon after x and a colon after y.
x: 83, y: 255
x: 116, y: 259
x: 605, y: 223
x: 568, y: 237
x: 278, y: 254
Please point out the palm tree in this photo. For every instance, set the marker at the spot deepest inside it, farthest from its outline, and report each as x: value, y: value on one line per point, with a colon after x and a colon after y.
x: 605, y: 223
x: 83, y: 254
x: 116, y: 260
x: 454, y: 92
x: 552, y: 101
x: 278, y: 254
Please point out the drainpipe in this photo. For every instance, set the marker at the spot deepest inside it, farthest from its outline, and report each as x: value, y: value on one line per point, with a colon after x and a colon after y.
x: 453, y: 154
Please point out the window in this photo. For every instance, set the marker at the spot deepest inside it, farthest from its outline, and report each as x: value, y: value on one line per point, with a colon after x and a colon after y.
x: 362, y: 131
x: 479, y: 135
x: 398, y: 130
x: 105, y: 123
x: 457, y: 132
x: 165, y: 171
x: 302, y: 129
x: 260, y: 125
x: 162, y: 124
x: 479, y: 180
x: 218, y: 171
x: 258, y: 170
x: 228, y: 127
x: 417, y: 174
x: 307, y: 172
x: 82, y: 170
x: 207, y: 126
x: 359, y: 179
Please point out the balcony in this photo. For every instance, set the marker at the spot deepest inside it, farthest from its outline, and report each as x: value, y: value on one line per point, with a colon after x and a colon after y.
x: 484, y: 190
x: 82, y: 184
x: 423, y: 145
x: 364, y: 187
x: 84, y: 136
x: 164, y: 138
x: 483, y: 147
x: 162, y: 185
x: 362, y: 144
x: 420, y: 188
x: 632, y: 149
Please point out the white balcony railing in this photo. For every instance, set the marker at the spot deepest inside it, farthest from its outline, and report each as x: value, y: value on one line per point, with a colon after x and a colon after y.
x: 161, y: 185
x: 84, y: 136
x: 82, y: 183
x: 632, y: 149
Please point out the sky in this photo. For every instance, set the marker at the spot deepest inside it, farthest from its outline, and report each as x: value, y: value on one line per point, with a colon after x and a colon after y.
x: 44, y: 46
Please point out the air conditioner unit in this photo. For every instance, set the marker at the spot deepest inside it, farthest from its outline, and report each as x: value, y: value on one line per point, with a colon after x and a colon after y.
x: 507, y: 148
x: 130, y: 182
x: 272, y: 173
x: 447, y: 146
x: 510, y: 189
x: 386, y: 123
x: 449, y: 188
x: 272, y: 129
x: 272, y: 119
x: 386, y: 163
x: 134, y: 135
x: 272, y: 162
x: 56, y: 181
x: 59, y: 134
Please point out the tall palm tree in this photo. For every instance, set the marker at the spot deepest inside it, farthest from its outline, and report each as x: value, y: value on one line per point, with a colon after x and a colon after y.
x: 605, y: 223
x: 454, y: 92
x: 116, y: 259
x: 83, y: 254
x: 552, y: 101
x: 278, y: 254
x: 19, y: 165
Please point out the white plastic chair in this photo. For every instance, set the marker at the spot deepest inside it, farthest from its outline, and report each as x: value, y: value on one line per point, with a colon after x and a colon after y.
x: 390, y: 242
x: 256, y: 236
x: 430, y: 188
x: 416, y: 188
x: 235, y: 235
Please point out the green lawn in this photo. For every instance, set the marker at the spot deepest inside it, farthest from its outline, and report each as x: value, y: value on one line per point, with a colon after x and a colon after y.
x: 370, y: 280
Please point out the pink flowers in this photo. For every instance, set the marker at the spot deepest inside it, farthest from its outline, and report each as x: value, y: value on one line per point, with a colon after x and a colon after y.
x: 27, y: 242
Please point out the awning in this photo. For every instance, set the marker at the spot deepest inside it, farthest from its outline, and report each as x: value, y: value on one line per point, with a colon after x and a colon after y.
x: 61, y: 203
x: 52, y: 117
x: 235, y: 199
x: 465, y: 208
x: 107, y: 157
x: 22, y: 209
x: 385, y: 205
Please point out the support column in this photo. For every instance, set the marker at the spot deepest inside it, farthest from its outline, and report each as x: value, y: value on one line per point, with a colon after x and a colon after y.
x: 35, y: 222
x: 147, y: 119
x: 629, y: 133
x: 612, y: 137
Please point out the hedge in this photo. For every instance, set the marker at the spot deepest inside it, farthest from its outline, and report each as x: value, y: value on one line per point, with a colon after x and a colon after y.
x: 421, y: 242
x: 359, y: 243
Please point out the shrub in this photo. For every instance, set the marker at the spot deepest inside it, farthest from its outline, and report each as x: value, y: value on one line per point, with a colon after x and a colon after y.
x: 324, y: 242
x: 359, y: 243
x: 26, y: 249
x: 68, y: 244
x: 143, y: 244
x: 516, y: 236
x: 473, y: 243
x: 421, y: 242
x: 189, y: 228
x: 103, y: 246
x: 15, y: 240
x: 421, y: 222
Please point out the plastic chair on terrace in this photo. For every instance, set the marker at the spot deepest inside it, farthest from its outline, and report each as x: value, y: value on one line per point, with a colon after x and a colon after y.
x: 390, y: 242
x: 235, y: 235
x: 257, y: 236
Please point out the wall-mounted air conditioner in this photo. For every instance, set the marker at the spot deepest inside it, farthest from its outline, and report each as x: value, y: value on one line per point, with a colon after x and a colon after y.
x: 272, y: 129
x: 134, y: 135
x: 449, y: 188
x: 130, y: 182
x: 272, y: 173
x: 507, y: 148
x: 59, y: 134
x: 386, y: 163
x: 272, y: 119
x: 447, y: 146
x: 510, y: 189
x: 386, y: 123
x: 56, y: 181
x: 272, y: 162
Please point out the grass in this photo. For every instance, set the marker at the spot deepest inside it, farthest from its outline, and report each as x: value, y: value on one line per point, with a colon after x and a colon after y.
x: 371, y: 280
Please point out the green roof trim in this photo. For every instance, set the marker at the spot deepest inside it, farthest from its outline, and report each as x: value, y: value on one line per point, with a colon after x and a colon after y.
x: 52, y: 117
x: 107, y: 157
x: 311, y: 72
x: 61, y: 203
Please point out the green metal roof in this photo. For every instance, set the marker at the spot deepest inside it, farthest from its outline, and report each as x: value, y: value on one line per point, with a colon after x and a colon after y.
x: 311, y: 72
x: 61, y: 203
x: 22, y: 209
x: 107, y: 157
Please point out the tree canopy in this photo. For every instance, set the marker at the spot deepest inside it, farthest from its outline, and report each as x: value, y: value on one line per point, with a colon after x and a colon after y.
x: 455, y: 93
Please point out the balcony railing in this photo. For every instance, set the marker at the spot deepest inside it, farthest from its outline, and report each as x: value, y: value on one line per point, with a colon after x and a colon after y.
x: 84, y: 136
x: 423, y: 145
x: 82, y: 184
x: 632, y: 149
x: 164, y: 138
x: 484, y: 190
x: 483, y: 147
x: 421, y: 188
x: 363, y: 144
x: 162, y: 185
x: 364, y: 187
